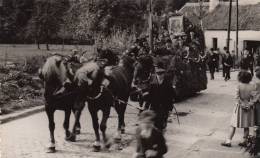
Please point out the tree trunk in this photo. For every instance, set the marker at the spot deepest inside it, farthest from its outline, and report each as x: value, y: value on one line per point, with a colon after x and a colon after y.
x: 47, y: 46
x: 38, y: 44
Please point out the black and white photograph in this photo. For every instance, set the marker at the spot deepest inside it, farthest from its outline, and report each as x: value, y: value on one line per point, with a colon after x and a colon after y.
x: 129, y: 78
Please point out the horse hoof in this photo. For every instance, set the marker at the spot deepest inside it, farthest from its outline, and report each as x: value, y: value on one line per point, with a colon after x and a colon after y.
x: 77, y: 131
x: 96, y: 148
x: 122, y: 131
x: 71, y: 138
x: 107, y: 145
x: 119, y: 147
x: 51, y: 150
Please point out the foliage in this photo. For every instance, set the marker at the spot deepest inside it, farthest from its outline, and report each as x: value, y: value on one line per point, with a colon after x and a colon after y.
x: 33, y: 63
x: 46, y: 19
x: 101, y: 18
x: 14, y: 17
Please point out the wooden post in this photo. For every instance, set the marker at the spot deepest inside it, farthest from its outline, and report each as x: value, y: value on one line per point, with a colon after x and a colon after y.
x: 151, y: 25
x: 237, y: 29
x: 229, y: 24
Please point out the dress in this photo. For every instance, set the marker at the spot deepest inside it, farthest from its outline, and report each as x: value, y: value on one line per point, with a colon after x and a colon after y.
x: 242, y: 118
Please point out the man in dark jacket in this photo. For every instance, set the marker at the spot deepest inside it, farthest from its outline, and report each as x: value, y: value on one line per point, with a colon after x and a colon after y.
x: 227, y: 64
x: 247, y: 62
x: 212, y: 63
x: 160, y: 95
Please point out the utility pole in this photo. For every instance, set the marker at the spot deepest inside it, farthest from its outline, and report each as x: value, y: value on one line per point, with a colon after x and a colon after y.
x: 150, y: 21
x: 237, y: 29
x: 229, y: 24
x: 201, y: 13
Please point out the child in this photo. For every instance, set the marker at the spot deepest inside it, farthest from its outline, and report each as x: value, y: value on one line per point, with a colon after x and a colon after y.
x: 150, y: 141
x: 243, y: 113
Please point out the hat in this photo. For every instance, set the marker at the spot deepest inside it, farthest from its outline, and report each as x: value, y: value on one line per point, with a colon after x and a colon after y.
x: 257, y: 69
x: 74, y: 50
x: 147, y: 116
x: 159, y: 68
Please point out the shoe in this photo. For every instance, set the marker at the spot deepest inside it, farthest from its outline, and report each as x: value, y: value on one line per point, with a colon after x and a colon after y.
x: 226, y: 144
x: 242, y: 144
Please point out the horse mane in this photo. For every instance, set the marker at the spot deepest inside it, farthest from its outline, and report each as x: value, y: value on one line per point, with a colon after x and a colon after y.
x: 146, y: 62
x: 127, y: 62
x: 54, y: 69
x: 112, y: 58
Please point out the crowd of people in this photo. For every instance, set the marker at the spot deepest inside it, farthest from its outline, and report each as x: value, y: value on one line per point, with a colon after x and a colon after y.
x: 228, y: 60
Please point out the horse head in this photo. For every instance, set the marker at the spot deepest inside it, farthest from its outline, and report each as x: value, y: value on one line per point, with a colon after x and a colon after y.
x: 54, y: 71
x: 144, y: 66
x: 127, y: 62
x: 89, y: 77
x: 109, y: 55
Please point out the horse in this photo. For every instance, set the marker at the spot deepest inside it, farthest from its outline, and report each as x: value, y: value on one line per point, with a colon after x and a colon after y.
x: 59, y: 94
x: 144, y: 68
x: 103, y: 91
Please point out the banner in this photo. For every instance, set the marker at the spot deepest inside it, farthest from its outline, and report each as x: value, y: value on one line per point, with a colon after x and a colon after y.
x: 176, y: 25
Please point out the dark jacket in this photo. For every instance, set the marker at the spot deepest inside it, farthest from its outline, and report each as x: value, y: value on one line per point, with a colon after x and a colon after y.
x: 161, y: 95
x: 155, y: 142
x: 247, y: 63
x: 228, y: 61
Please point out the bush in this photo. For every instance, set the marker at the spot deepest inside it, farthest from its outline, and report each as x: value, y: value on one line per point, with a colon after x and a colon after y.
x: 119, y: 41
x: 33, y: 63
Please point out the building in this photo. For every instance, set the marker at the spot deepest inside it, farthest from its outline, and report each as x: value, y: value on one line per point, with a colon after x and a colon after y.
x: 213, y: 16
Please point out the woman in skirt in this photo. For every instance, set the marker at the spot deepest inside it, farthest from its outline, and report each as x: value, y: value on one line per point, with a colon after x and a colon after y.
x: 243, y: 113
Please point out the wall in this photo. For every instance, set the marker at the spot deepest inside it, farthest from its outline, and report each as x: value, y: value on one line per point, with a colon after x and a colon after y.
x: 222, y: 36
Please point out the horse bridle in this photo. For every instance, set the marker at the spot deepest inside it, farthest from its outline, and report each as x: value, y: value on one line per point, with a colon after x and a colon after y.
x: 98, y: 95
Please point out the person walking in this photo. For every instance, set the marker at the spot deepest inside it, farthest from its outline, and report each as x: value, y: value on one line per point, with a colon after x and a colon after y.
x: 227, y: 64
x: 243, y: 113
x: 211, y: 63
x: 216, y: 55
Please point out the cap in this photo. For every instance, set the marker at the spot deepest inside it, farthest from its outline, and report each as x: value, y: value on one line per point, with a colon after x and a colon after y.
x: 147, y: 116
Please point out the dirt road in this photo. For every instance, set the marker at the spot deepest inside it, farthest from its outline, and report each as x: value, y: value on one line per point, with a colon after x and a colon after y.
x: 204, y: 124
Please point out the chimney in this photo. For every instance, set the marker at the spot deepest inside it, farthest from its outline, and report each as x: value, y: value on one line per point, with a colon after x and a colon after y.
x: 213, y: 4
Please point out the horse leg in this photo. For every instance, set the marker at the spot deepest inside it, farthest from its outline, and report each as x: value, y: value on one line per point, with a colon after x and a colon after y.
x: 50, y: 114
x: 103, y: 126
x: 77, y: 126
x: 77, y: 113
x: 94, y: 116
x: 120, y: 109
x: 121, y: 118
x: 69, y: 136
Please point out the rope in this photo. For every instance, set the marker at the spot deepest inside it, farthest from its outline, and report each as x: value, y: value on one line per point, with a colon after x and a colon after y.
x: 98, y: 95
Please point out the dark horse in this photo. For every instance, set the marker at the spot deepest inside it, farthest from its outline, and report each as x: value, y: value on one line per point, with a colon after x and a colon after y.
x: 103, y: 91
x: 144, y: 68
x: 59, y: 94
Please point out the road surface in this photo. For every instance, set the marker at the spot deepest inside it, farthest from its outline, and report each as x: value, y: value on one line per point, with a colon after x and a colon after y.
x: 204, y: 125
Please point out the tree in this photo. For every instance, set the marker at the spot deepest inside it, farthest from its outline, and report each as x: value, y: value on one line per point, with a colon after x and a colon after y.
x: 14, y: 17
x: 47, y: 20
x: 102, y: 18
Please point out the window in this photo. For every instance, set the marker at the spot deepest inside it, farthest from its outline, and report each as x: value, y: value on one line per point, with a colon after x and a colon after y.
x: 215, y: 43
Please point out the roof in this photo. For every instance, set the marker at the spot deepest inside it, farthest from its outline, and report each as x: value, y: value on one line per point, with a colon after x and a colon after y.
x: 249, y: 16
x: 193, y: 11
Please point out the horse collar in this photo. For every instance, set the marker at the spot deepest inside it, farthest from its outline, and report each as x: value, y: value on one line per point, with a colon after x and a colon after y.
x: 98, y: 95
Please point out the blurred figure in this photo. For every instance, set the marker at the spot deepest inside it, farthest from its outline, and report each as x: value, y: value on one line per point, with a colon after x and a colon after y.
x: 150, y: 141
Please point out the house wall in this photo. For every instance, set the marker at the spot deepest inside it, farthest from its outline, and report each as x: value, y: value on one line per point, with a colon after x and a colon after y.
x: 222, y: 36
